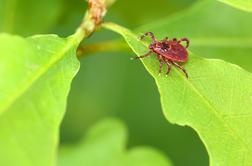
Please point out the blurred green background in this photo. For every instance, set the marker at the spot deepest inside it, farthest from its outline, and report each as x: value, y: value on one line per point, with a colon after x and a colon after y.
x: 109, y: 84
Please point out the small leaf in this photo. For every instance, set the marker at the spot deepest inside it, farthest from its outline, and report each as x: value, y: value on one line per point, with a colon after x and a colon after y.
x: 240, y: 4
x: 36, y: 73
x: 105, y: 144
x: 215, y: 101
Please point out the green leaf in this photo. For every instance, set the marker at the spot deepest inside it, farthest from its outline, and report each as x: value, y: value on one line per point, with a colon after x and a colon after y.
x: 215, y: 101
x: 105, y: 144
x: 224, y: 35
x: 36, y: 74
x: 27, y: 17
x: 240, y: 4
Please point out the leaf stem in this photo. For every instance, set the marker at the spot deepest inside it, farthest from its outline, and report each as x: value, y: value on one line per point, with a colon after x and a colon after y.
x: 92, y: 19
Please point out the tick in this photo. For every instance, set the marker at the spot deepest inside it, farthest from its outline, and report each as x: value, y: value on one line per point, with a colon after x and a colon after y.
x: 169, y: 52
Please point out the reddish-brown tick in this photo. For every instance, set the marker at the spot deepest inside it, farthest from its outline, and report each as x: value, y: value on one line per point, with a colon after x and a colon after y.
x: 168, y: 52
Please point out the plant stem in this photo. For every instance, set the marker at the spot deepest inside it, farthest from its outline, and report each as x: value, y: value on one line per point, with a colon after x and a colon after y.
x: 107, y: 46
x: 92, y: 19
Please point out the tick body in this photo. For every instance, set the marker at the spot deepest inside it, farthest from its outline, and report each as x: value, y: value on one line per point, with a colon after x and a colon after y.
x: 169, y: 52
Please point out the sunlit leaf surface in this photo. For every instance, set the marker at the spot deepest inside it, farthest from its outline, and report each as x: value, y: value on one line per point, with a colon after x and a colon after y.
x: 215, y: 101
x: 241, y: 4
x: 36, y: 73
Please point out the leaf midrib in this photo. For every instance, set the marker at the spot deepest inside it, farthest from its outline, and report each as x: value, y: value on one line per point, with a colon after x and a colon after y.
x: 40, y: 72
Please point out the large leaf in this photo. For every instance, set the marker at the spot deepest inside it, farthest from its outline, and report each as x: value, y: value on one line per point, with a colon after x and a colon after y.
x: 241, y: 4
x: 224, y: 35
x: 105, y: 144
x: 35, y: 79
x: 27, y: 17
x: 215, y: 101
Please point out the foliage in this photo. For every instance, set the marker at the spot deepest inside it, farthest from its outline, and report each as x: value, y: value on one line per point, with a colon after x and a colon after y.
x: 37, y: 74
x: 33, y: 102
x: 34, y: 94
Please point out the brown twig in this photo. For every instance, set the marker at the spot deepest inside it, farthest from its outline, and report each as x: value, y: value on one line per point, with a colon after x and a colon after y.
x: 94, y: 16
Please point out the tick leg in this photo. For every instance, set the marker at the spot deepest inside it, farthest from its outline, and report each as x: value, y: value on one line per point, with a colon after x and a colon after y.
x: 142, y: 56
x: 180, y: 67
x: 166, y: 38
x: 159, y: 57
x: 186, y: 40
x: 149, y: 34
x: 174, y: 39
x: 168, y: 68
x: 160, y: 66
